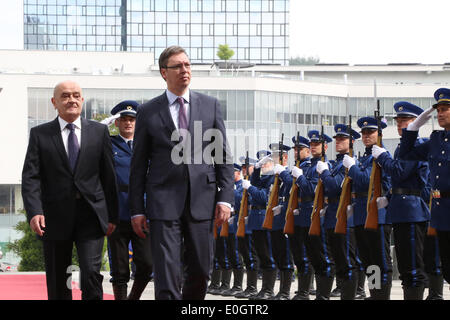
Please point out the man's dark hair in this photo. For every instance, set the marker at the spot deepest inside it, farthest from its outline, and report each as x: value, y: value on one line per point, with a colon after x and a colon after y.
x: 167, y: 53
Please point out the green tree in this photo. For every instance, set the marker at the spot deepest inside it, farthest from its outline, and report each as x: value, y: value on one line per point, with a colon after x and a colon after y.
x: 225, y: 53
x: 303, y: 61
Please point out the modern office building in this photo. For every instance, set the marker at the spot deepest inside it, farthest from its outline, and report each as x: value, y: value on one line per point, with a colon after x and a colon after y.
x: 257, y: 30
x: 258, y: 103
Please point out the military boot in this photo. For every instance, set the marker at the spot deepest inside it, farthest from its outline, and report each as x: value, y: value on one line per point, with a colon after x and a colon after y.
x: 285, y: 285
x: 435, y: 287
x: 226, y: 277
x: 413, y: 293
x: 215, y: 281
x: 360, y: 291
x: 252, y: 278
x: 268, y: 282
x: 304, y: 283
x: 238, y: 275
x: 324, y: 285
x: 348, y: 288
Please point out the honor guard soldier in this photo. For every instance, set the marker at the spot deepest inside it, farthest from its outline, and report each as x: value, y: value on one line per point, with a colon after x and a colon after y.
x: 373, y: 246
x: 437, y: 152
x: 342, y: 245
x: 317, y: 249
x: 305, y: 270
x: 246, y: 244
x: 258, y: 188
x: 280, y: 243
x: 232, y: 240
x: 122, y: 146
x: 407, y: 210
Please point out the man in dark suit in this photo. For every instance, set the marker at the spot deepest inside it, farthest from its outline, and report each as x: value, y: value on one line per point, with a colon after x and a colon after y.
x: 182, y: 197
x: 70, y: 194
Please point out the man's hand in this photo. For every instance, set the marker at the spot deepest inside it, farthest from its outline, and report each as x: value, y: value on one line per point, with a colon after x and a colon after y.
x: 111, y: 228
x: 222, y: 214
x: 348, y: 161
x: 296, y: 172
x: 264, y: 160
x: 37, y: 224
x: 246, y: 184
x: 140, y: 226
x: 382, y: 202
x: 278, y: 168
x: 321, y: 167
x: 377, y: 151
x: 420, y: 120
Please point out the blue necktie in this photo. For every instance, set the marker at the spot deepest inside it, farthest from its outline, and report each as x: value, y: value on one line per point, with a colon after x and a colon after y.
x: 73, y: 146
x: 130, y: 144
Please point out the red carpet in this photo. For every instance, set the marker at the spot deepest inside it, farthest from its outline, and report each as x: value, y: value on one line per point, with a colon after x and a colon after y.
x: 31, y: 287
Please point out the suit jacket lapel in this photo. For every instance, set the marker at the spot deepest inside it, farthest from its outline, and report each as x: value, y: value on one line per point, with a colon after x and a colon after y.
x: 59, y: 144
x: 165, y: 115
x: 85, y: 129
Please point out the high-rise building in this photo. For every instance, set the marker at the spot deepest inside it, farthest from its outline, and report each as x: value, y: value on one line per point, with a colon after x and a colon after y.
x: 257, y: 30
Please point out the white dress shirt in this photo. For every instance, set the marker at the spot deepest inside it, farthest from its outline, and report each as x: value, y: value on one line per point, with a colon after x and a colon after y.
x: 65, y: 132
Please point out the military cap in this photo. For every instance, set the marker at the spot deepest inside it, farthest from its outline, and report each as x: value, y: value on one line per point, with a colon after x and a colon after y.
x: 370, y: 123
x: 126, y: 108
x: 303, y: 142
x: 341, y: 130
x: 442, y: 96
x: 237, y: 167
x: 275, y: 147
x: 250, y: 160
x: 407, y: 110
x: 314, y: 136
x: 262, y: 153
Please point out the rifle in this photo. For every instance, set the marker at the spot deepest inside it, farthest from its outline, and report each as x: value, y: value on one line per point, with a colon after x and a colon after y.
x: 375, y: 181
x: 431, y: 232
x: 319, y: 199
x: 346, y: 195
x: 243, y: 210
x: 293, y: 195
x: 224, y: 230
x: 215, y: 231
x: 273, y: 197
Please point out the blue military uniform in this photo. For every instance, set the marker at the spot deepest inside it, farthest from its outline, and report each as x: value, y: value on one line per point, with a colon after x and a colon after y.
x: 317, y: 248
x: 373, y: 246
x: 258, y: 197
x: 408, y: 211
x: 280, y: 243
x: 120, y: 239
x: 437, y: 152
x: 342, y: 245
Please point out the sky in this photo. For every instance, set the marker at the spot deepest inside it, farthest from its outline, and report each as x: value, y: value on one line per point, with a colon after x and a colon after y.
x: 337, y: 31
x: 371, y: 31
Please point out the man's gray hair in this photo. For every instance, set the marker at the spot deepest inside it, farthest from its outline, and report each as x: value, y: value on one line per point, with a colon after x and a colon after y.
x: 167, y: 53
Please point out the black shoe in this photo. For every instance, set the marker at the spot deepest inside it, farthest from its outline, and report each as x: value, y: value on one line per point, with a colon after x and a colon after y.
x: 120, y: 291
x: 285, y: 285
x: 324, y: 285
x: 335, y: 293
x: 252, y: 278
x: 413, y: 293
x: 435, y: 287
x: 137, y: 289
x: 266, y: 293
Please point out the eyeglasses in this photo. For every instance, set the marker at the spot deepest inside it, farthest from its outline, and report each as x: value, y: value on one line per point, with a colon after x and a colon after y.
x: 179, y: 66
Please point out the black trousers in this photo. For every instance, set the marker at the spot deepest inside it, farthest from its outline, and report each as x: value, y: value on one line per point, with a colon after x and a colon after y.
x: 221, y: 254
x: 88, y: 238
x: 169, y: 240
x: 142, y: 258
x: 374, y: 249
x: 409, y: 246
x: 263, y: 246
x: 343, y: 251
x: 319, y: 253
x: 248, y: 252
x: 233, y: 254
x: 444, y: 250
x: 431, y: 256
x: 297, y: 241
x: 281, y: 250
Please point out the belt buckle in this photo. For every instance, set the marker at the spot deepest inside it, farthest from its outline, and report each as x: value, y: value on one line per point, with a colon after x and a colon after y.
x: 436, y: 194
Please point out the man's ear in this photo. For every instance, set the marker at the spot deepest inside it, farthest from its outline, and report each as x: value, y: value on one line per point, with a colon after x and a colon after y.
x: 163, y: 73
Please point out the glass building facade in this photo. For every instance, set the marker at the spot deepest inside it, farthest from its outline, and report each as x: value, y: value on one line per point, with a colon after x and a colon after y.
x: 257, y: 30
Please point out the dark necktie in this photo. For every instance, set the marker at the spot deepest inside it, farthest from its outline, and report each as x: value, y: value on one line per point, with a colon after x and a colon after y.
x: 72, y: 145
x: 182, y: 118
x: 130, y: 144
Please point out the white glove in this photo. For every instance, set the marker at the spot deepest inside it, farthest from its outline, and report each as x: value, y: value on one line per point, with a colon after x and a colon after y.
x: 323, y: 211
x: 350, y: 210
x: 264, y: 160
x: 348, y: 161
x: 110, y: 120
x: 277, y: 210
x: 420, y: 120
x: 246, y: 220
x: 296, y: 212
x: 246, y: 184
x: 377, y: 151
x: 296, y: 172
x: 278, y: 169
x: 321, y: 167
x: 382, y: 202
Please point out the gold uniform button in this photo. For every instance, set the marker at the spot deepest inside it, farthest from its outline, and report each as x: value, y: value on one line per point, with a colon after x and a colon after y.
x: 437, y: 177
x: 443, y: 151
x: 439, y: 164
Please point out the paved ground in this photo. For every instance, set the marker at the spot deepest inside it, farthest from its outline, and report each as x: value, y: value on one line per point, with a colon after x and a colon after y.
x: 396, y: 292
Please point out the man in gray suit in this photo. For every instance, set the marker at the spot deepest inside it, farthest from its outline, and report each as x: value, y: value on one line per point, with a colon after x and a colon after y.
x: 183, y: 198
